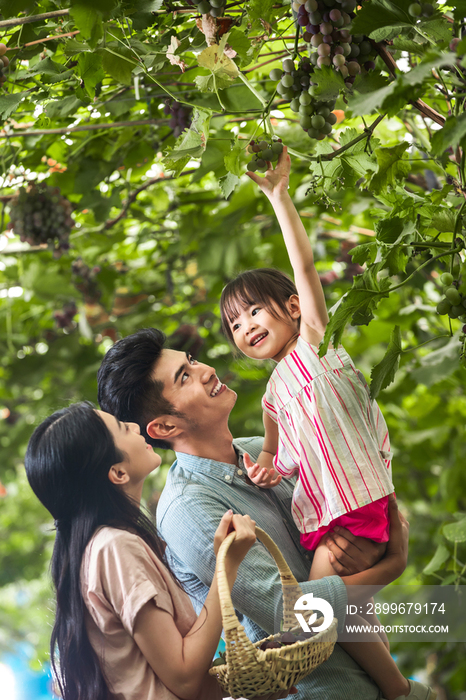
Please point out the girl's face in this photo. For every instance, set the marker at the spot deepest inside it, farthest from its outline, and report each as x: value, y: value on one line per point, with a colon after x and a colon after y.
x: 261, y: 336
x: 140, y: 459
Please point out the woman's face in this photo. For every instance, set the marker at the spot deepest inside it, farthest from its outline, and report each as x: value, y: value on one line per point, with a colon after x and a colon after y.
x: 140, y: 459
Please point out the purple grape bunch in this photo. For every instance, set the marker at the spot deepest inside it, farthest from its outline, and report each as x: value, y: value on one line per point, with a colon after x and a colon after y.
x: 264, y: 152
x: 4, y: 63
x: 84, y: 279
x: 325, y: 25
x: 315, y: 115
x: 180, y: 118
x: 40, y: 214
x: 64, y: 318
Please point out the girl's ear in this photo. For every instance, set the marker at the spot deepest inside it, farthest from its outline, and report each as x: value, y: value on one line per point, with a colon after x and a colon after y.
x: 118, y: 474
x: 294, y: 307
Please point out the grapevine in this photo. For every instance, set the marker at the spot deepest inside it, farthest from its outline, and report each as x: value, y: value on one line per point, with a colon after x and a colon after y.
x: 40, y: 214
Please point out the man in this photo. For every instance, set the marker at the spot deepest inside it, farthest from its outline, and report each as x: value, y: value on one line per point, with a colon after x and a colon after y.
x: 180, y: 403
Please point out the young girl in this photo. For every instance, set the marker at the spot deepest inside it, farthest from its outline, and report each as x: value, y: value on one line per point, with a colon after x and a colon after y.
x: 124, y: 628
x: 319, y: 420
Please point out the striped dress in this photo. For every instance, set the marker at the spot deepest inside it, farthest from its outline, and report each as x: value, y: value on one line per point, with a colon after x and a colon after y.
x: 330, y: 434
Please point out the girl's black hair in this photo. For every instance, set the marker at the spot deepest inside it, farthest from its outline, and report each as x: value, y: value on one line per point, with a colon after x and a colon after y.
x: 262, y: 287
x: 67, y: 462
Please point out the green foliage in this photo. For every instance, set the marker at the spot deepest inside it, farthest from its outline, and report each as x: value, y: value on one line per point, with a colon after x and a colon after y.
x: 163, y: 221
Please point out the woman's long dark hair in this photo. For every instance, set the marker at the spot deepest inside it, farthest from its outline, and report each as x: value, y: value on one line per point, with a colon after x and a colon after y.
x: 67, y: 463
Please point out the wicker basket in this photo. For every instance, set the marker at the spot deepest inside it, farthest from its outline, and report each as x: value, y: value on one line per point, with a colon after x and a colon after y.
x: 248, y: 670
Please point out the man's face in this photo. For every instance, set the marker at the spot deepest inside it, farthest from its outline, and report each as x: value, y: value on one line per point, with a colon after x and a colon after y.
x: 193, y: 389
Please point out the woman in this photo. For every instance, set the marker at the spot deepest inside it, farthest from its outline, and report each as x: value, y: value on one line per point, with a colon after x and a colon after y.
x: 124, y: 628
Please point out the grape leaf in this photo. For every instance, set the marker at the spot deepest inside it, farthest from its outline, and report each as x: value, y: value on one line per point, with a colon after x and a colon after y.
x: 90, y: 70
x: 358, y: 304
x: 8, y: 103
x: 191, y: 143
x: 455, y: 532
x: 89, y: 22
x: 228, y: 184
x: 383, y: 374
x: 391, y: 167
x: 366, y: 103
x: 364, y: 253
x: 401, y: 43
x: 393, y: 230
x: 241, y: 44
x: 452, y: 134
x: 233, y: 160
x: 260, y: 9
x: 118, y: 62
x: 214, y: 59
x: 439, y: 558
x: 328, y: 83
x: 381, y: 15
x: 143, y: 9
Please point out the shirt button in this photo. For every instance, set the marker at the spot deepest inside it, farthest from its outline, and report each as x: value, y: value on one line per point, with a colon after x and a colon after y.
x: 227, y: 477
x: 239, y: 472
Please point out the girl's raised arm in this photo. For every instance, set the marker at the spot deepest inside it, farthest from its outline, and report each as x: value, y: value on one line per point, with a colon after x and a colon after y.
x: 274, y: 185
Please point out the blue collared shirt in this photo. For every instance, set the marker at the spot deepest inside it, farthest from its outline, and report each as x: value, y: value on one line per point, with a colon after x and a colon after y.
x: 197, y: 493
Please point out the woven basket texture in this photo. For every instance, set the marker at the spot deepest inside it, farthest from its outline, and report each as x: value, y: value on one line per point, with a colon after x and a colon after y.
x: 249, y: 671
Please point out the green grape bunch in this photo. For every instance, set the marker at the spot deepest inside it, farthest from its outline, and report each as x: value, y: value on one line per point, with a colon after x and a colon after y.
x: 40, y: 214
x: 453, y: 303
x: 315, y: 116
x: 421, y: 9
x: 4, y: 63
x: 263, y: 152
x: 215, y: 8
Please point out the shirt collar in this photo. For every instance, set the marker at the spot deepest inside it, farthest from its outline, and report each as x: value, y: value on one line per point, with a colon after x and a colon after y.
x: 211, y: 467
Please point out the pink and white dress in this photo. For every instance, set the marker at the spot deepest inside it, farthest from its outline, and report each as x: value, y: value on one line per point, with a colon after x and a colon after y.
x: 335, y: 439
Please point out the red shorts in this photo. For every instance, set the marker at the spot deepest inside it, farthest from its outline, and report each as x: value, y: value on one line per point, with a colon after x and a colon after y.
x: 369, y: 521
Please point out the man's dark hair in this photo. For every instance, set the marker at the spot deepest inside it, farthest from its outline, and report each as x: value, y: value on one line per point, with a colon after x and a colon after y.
x: 125, y: 386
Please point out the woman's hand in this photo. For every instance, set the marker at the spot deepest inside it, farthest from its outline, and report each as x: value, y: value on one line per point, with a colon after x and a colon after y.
x: 275, y: 182
x: 244, y: 527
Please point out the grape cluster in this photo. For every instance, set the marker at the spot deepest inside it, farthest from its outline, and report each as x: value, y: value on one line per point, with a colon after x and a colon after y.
x: 64, y: 318
x: 315, y: 116
x: 454, y: 302
x: 214, y: 8
x: 84, y: 279
x: 325, y: 27
x: 263, y: 152
x: 421, y: 9
x: 180, y: 116
x: 4, y: 63
x: 40, y: 214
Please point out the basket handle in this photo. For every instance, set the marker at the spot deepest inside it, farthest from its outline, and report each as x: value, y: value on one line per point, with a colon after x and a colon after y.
x: 290, y: 587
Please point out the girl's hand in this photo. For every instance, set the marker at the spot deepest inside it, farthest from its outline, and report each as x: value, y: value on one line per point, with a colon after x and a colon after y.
x: 244, y: 527
x: 261, y: 476
x: 275, y: 182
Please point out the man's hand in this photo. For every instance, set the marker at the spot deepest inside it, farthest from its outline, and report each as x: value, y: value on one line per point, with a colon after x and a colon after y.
x: 261, y: 476
x: 349, y: 554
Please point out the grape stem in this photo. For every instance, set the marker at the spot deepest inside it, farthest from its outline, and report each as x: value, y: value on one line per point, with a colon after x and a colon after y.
x: 263, y: 102
x: 366, y: 134
x: 451, y: 251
